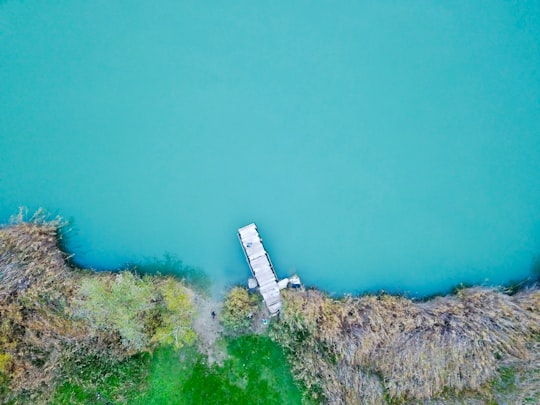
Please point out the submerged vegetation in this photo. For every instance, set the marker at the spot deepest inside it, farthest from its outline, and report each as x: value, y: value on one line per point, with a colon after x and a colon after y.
x: 170, y: 265
x: 73, y: 336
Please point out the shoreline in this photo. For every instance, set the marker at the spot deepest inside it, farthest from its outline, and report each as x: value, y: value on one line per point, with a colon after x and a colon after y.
x: 219, y: 289
x: 356, y: 338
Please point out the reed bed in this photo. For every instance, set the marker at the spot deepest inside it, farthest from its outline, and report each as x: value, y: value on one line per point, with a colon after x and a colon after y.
x: 374, y: 349
x: 36, y: 332
x: 54, y: 319
x: 28, y: 254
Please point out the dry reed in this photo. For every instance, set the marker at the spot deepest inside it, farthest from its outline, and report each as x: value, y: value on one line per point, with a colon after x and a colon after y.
x: 359, y: 350
x: 37, y: 332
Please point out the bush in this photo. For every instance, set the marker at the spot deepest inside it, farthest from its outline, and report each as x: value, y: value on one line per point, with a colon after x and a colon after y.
x: 176, y: 313
x: 238, y: 310
x: 52, y: 317
x: 122, y: 304
x: 143, y: 311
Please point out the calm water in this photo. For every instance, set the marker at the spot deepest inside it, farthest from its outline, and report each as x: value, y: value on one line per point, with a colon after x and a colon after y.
x: 376, y: 144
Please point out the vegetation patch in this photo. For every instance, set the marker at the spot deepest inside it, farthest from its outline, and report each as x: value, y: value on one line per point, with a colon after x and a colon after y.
x: 144, y: 311
x: 94, y: 380
x: 506, y: 381
x: 74, y: 336
x: 239, y: 311
x: 256, y: 372
x: 58, y: 323
x: 383, y: 348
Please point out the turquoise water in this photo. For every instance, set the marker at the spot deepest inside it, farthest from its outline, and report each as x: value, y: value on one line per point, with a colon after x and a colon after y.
x: 377, y: 144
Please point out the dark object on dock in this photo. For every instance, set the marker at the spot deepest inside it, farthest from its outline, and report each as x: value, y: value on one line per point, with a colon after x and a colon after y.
x: 295, y: 282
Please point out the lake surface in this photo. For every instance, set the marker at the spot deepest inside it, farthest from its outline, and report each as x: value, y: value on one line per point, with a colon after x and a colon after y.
x: 377, y: 145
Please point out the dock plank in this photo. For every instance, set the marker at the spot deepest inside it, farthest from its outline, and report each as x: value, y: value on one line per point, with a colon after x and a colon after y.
x: 261, y: 267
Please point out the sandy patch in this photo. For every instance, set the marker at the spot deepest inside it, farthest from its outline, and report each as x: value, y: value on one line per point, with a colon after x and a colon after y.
x: 208, y: 328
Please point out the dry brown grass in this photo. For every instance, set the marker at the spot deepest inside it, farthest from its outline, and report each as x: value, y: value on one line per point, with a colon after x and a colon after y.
x: 29, y: 253
x: 361, y: 349
x: 37, y: 333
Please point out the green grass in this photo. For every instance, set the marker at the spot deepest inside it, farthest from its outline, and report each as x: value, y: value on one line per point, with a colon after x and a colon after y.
x: 93, y: 381
x: 507, y: 380
x: 256, y: 372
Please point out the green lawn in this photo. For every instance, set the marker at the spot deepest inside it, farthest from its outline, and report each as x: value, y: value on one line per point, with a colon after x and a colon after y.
x: 256, y: 372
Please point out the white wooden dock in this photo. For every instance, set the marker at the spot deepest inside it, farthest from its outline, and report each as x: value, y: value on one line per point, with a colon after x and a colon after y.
x: 261, y: 267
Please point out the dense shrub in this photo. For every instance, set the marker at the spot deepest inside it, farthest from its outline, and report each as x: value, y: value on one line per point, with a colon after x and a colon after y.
x: 144, y: 311
x: 176, y: 314
x: 121, y: 303
x: 238, y: 310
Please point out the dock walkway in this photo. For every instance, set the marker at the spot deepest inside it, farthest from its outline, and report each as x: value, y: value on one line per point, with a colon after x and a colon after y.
x: 261, y: 267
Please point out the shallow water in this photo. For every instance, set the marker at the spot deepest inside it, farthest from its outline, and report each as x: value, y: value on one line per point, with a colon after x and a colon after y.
x: 377, y: 146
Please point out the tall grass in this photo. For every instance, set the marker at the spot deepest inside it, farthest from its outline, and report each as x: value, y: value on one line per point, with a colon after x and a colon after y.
x: 35, y: 283
x: 375, y: 347
x: 371, y: 349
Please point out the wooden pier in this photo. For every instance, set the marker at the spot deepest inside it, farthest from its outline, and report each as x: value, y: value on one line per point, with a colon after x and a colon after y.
x: 261, y: 267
